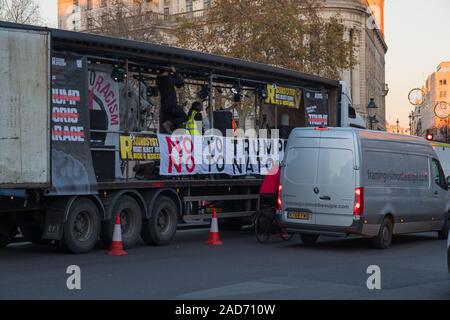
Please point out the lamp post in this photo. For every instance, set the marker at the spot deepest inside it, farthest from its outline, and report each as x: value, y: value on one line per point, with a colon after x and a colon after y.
x: 410, y: 122
x: 442, y: 111
x: 372, y: 111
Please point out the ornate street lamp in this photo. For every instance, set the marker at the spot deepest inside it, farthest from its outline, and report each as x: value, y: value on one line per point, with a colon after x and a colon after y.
x: 372, y: 111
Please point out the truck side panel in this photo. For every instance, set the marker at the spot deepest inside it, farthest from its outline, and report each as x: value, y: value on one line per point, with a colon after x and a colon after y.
x: 24, y: 108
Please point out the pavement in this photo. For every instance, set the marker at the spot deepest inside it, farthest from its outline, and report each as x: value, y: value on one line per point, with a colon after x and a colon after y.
x: 415, y: 267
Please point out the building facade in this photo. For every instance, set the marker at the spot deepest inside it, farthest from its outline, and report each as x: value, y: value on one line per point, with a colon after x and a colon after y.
x: 364, y: 22
x: 436, y: 89
x: 363, y: 19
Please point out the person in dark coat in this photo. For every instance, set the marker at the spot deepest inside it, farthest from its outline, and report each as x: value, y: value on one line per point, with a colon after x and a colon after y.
x: 171, y: 114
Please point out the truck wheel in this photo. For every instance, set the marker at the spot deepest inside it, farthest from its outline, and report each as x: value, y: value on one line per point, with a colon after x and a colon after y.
x: 160, y: 229
x: 82, y: 228
x: 309, y: 239
x: 384, y: 238
x: 8, y: 231
x: 443, y: 234
x: 130, y: 220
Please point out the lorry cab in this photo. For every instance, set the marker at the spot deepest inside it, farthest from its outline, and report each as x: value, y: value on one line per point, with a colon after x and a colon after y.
x: 349, y: 118
x: 342, y: 181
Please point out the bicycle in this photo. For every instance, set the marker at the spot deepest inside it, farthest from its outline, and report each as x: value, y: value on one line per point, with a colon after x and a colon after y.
x: 266, y: 224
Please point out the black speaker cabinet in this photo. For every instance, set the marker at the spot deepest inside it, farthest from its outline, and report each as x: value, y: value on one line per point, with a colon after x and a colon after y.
x: 98, y: 121
x: 104, y: 164
x: 223, y: 121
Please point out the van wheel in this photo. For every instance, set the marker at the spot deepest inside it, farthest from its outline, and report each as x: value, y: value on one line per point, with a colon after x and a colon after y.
x: 160, y: 229
x: 130, y: 221
x: 309, y: 239
x: 443, y: 234
x: 384, y: 238
x: 82, y: 228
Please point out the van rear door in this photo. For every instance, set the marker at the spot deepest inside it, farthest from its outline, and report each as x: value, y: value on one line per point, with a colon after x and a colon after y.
x: 336, y: 179
x: 299, y: 178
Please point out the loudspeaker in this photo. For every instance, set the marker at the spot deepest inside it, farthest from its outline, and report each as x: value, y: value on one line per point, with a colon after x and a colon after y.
x: 104, y: 164
x: 98, y: 121
x: 223, y: 121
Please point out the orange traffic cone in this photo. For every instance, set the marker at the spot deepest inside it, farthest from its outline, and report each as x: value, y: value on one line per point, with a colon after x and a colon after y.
x: 117, y: 244
x: 214, y: 239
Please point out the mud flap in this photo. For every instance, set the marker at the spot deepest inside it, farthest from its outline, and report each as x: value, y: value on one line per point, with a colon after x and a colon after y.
x: 53, y: 228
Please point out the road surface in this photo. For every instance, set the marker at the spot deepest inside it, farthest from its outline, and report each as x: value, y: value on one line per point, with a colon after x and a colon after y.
x: 413, y: 268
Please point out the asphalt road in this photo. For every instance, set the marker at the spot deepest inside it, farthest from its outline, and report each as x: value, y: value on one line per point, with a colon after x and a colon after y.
x: 413, y: 268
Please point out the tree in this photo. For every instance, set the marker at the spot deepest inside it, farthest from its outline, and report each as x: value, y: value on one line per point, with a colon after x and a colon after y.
x: 127, y: 21
x: 20, y: 11
x: 285, y: 33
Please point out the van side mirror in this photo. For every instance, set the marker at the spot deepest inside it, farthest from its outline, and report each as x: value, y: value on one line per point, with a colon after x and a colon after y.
x: 448, y: 181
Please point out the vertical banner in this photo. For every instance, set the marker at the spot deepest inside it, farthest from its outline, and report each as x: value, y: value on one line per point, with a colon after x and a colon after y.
x: 316, y: 108
x: 72, y: 169
x: 104, y: 101
x: 104, y: 97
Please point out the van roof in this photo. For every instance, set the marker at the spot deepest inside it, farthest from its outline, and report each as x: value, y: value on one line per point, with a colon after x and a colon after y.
x: 372, y: 135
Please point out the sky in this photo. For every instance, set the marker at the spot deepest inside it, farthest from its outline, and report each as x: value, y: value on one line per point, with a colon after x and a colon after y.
x: 417, y: 34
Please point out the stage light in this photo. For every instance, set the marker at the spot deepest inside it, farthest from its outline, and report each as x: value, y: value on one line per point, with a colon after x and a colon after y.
x: 118, y: 74
x: 203, y: 94
x: 236, y: 90
x: 152, y: 91
x: 262, y: 91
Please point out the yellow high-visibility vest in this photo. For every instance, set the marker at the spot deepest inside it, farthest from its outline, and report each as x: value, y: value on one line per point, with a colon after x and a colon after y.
x: 192, y: 126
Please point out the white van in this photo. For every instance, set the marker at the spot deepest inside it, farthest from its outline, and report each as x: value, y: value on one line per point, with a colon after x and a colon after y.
x: 342, y: 181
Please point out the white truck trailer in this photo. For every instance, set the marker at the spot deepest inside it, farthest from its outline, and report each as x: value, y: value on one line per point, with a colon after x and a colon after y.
x: 64, y: 173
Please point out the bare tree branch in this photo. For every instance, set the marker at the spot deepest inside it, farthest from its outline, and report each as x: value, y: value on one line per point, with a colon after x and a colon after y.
x: 20, y: 11
x: 124, y: 21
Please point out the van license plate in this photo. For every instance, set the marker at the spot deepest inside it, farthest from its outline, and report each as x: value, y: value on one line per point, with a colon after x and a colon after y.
x: 299, y: 215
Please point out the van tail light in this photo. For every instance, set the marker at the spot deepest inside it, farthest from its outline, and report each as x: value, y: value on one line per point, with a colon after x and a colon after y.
x: 280, y: 188
x: 358, y: 209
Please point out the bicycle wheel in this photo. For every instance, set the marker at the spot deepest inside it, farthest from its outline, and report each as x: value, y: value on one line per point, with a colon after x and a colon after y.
x: 263, y: 227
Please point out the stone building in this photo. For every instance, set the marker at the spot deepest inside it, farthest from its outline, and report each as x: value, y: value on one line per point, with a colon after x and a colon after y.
x: 363, y: 19
x: 436, y: 89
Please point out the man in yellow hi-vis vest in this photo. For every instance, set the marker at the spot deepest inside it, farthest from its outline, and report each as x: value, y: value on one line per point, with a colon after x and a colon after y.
x: 194, y: 125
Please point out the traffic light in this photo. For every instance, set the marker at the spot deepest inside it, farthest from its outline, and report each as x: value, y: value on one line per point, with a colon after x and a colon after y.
x: 430, y: 136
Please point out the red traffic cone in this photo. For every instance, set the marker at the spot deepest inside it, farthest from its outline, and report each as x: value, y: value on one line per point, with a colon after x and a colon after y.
x: 214, y: 239
x: 117, y: 244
